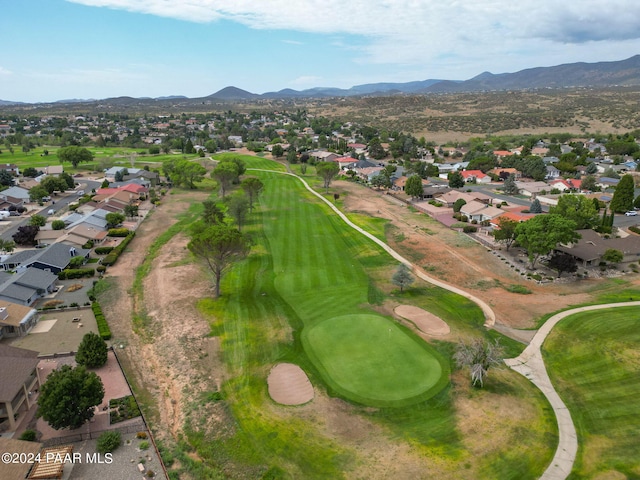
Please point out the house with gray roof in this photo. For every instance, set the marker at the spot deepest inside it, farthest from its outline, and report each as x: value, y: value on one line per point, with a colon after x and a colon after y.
x: 54, y: 258
x: 15, y: 192
x: 591, y: 247
x: 26, y: 287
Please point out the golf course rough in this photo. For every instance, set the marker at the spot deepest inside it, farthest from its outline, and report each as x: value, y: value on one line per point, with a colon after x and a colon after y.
x: 371, y: 360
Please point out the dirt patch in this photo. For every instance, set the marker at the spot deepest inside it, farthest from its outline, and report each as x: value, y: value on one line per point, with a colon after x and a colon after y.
x: 457, y: 259
x: 425, y: 321
x: 289, y: 385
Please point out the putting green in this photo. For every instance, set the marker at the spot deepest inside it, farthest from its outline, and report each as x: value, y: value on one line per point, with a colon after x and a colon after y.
x: 371, y: 360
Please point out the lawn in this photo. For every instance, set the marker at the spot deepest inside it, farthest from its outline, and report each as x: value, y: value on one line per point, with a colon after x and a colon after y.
x: 373, y: 361
x: 593, y: 360
x: 318, y: 272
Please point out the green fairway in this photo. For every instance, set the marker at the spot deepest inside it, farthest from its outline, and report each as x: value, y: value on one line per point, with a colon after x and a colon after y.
x: 593, y: 359
x: 370, y: 359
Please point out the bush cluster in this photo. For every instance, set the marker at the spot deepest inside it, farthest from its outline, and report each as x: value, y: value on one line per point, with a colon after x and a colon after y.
x: 118, y: 232
x: 103, y: 250
x: 634, y: 229
x: 112, y: 257
x: 470, y: 229
x: 108, y: 442
x: 76, y: 273
x: 103, y: 326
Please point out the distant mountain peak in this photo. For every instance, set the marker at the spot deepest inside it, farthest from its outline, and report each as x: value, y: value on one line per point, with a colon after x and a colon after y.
x: 233, y: 93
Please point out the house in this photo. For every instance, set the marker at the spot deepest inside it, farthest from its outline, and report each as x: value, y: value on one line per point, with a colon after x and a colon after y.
x: 368, y: 173
x: 505, y: 173
x: 346, y: 163
x: 607, y: 182
x: 502, y: 154
x: 53, y: 170
x: 12, y: 168
x: 16, y: 320
x: 475, y: 176
x: 591, y: 247
x: 26, y: 287
x: 513, y: 216
x: 565, y: 185
x: 18, y: 380
x: 531, y: 189
x: 552, y: 173
x: 480, y: 212
x: 550, y: 160
x: 54, y: 258
x: 15, y: 195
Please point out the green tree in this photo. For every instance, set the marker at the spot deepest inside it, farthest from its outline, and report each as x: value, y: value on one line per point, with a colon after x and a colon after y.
x: 74, y: 155
x: 37, y: 193
x: 6, y: 179
x: 510, y: 187
x: 252, y: 187
x: 589, y: 183
x: 535, y: 206
x: 612, y: 255
x: 507, y: 232
x: 184, y: 172
x: 30, y: 172
x: 130, y: 211
x: 458, y: 204
x: 38, y: 221
x: 212, y: 213
x: 292, y: 156
x: 623, y: 195
x: 57, y: 225
x: 68, y: 397
x: 52, y: 184
x: 413, y: 187
x: 92, y: 352
x: 225, y: 174
x: 327, y: 171
x: 277, y: 150
x: 114, y: 219
x: 238, y: 207
x: 381, y: 181
x: 7, y: 246
x: 402, y: 277
x: 376, y: 151
x: 562, y: 262
x: 578, y: 208
x: 541, y: 234
x: 456, y: 180
x: 479, y: 356
x: 218, y: 247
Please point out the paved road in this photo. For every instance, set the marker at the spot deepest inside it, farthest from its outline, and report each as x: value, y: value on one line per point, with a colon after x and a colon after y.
x: 530, y: 364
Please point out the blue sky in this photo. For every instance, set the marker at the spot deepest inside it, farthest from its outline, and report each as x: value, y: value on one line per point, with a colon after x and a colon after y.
x: 62, y: 49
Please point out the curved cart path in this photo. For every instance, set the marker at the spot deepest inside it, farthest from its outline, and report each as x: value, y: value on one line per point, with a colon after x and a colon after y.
x: 530, y: 364
x: 489, y: 315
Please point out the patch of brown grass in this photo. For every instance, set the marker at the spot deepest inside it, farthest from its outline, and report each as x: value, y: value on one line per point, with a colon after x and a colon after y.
x: 74, y: 287
x: 52, y: 303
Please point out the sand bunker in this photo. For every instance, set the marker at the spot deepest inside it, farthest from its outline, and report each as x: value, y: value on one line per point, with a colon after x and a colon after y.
x: 289, y: 385
x: 43, y: 326
x: 425, y: 322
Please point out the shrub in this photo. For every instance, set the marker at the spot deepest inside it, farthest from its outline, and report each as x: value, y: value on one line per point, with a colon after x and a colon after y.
x: 103, y: 250
x: 470, y: 229
x: 634, y: 229
x: 76, y: 273
x: 101, y: 269
x: 108, y: 442
x: 141, y: 435
x: 28, y: 436
x: 92, y: 352
x: 118, y: 232
x: 518, y: 289
x: 103, y: 326
x: 144, y: 445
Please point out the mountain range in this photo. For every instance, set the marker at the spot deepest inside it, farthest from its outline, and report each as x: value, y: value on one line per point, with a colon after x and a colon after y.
x: 600, y: 74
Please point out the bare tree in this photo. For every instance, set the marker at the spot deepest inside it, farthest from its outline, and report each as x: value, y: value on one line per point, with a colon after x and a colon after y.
x: 479, y: 356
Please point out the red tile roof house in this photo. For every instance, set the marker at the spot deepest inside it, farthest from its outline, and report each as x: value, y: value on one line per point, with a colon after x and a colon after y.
x: 18, y: 380
x: 346, y: 163
x: 475, y: 176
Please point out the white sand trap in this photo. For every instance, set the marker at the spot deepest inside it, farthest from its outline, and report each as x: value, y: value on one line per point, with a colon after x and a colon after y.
x: 289, y: 385
x: 43, y: 326
x: 425, y: 321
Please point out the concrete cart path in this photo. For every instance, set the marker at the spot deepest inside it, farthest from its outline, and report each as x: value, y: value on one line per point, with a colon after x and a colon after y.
x: 489, y: 315
x: 530, y: 364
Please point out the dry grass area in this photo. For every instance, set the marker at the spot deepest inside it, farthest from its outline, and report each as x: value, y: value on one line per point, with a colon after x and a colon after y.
x: 75, y: 287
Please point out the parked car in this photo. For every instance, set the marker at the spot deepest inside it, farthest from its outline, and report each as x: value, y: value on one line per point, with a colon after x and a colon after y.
x: 631, y: 213
x: 80, y: 192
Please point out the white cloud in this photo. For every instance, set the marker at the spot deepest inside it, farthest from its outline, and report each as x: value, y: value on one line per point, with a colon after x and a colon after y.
x: 292, y: 42
x: 4, y: 71
x: 449, y: 33
x: 306, y: 81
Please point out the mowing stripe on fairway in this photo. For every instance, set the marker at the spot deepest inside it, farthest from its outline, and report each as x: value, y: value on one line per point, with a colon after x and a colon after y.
x: 317, y: 270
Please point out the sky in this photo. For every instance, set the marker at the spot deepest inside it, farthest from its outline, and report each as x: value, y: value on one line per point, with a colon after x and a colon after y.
x: 93, y: 49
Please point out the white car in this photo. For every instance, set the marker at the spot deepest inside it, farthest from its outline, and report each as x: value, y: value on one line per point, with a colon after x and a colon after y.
x: 631, y: 213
